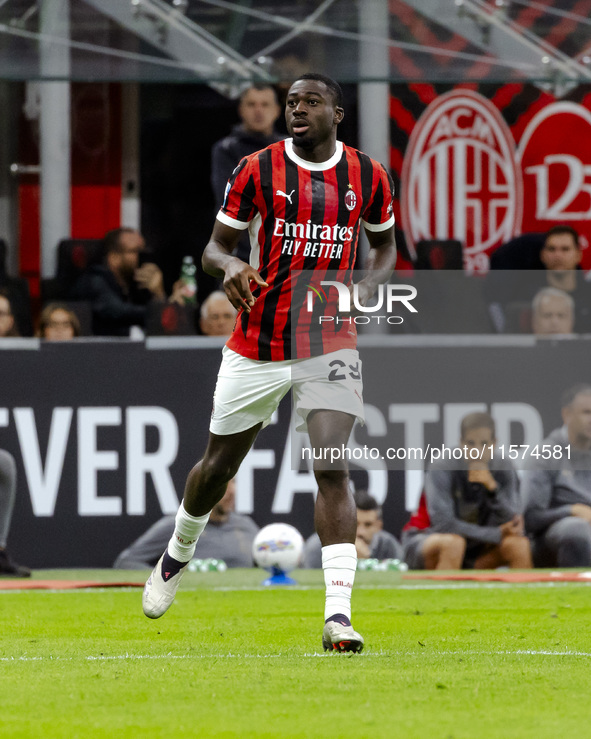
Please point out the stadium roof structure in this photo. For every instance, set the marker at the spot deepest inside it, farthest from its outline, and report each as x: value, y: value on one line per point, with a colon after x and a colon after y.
x: 229, y: 44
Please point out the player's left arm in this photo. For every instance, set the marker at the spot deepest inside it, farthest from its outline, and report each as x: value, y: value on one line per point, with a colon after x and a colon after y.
x: 380, y: 262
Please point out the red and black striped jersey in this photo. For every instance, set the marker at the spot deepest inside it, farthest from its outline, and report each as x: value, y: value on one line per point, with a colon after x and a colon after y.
x: 303, y: 219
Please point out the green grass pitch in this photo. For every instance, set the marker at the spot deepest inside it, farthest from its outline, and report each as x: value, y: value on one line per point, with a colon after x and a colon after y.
x: 233, y: 659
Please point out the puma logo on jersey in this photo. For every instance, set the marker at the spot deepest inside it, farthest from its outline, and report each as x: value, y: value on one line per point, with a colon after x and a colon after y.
x: 285, y: 195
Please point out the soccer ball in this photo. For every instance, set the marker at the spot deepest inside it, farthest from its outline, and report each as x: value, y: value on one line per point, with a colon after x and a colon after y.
x: 278, y: 546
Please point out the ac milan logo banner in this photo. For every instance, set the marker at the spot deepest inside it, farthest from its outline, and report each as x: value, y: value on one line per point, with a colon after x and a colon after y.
x: 483, y: 163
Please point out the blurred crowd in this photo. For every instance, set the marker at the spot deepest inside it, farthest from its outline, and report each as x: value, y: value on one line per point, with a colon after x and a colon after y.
x: 120, y: 290
x: 471, y: 514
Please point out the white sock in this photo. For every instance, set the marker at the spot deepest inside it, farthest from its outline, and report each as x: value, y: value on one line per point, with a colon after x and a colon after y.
x: 187, y: 531
x: 339, y: 562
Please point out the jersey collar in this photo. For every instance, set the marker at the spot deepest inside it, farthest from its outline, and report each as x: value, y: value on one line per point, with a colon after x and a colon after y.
x: 314, y: 166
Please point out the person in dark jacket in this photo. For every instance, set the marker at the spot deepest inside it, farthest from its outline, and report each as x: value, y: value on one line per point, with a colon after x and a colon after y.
x: 557, y: 490
x: 258, y: 110
x: 120, y: 289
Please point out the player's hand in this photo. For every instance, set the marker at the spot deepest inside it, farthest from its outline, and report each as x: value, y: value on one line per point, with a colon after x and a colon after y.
x: 514, y: 527
x: 363, y: 550
x: 483, y: 477
x: 519, y: 525
x: 149, y: 276
x: 237, y: 278
x: 177, y: 293
x: 364, y: 294
x: 580, y: 510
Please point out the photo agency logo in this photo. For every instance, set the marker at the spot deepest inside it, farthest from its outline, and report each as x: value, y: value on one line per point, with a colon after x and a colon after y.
x: 350, y: 308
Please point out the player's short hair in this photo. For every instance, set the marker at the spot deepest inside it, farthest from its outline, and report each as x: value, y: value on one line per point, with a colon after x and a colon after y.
x: 112, y: 239
x: 569, y: 395
x: 366, y: 502
x: 260, y: 86
x: 479, y: 420
x: 332, y: 85
x: 552, y: 292
x: 563, y: 228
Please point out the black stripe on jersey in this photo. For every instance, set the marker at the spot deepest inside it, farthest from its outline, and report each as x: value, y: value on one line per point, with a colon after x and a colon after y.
x: 343, y: 214
x: 266, y: 180
x: 247, y: 196
x: 366, y: 174
x: 375, y: 212
x: 284, y: 262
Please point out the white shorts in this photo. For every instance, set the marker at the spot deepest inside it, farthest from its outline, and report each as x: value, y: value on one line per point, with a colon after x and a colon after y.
x: 248, y: 391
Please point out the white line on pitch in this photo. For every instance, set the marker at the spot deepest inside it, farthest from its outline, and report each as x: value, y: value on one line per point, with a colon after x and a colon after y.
x: 230, y: 655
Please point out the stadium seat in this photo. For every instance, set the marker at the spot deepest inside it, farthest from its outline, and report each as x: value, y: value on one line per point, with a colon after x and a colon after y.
x: 439, y: 254
x: 170, y: 319
x: 18, y: 293
x: 74, y: 256
x: 522, y: 252
x: 447, y: 303
x: 3, y: 250
x: 518, y: 318
x: 83, y: 311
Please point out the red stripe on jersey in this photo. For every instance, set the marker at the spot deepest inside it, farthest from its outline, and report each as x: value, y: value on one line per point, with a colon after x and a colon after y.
x: 310, y: 222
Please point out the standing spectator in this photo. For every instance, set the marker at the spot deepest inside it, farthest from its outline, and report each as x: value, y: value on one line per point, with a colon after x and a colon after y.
x: 58, y: 323
x: 218, y: 315
x: 258, y: 110
x: 371, y: 540
x: 7, y: 496
x: 557, y: 491
x: 7, y: 323
x: 228, y: 536
x: 476, y: 499
x: 120, y: 289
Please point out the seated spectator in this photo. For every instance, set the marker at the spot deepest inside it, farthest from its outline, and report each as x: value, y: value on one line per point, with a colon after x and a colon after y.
x: 557, y: 492
x: 477, y: 502
x: 7, y: 497
x: 58, y: 323
x: 218, y: 315
x: 560, y: 257
x: 424, y: 549
x: 7, y: 323
x: 228, y: 536
x: 371, y: 540
x: 553, y: 312
x: 120, y: 289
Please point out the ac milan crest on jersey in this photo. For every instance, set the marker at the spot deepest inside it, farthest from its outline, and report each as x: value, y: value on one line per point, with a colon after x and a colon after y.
x: 301, y: 216
x: 350, y: 199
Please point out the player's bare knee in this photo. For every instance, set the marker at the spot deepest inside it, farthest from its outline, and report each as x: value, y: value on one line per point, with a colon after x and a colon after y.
x: 452, y: 545
x: 333, y: 477
x: 514, y: 547
x: 217, y: 471
x: 332, y: 482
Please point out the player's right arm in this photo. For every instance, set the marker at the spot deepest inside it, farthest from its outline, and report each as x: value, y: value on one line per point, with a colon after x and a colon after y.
x: 237, y: 275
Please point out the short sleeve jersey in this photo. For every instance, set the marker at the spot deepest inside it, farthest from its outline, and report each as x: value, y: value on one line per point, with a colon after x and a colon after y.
x: 304, y: 220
